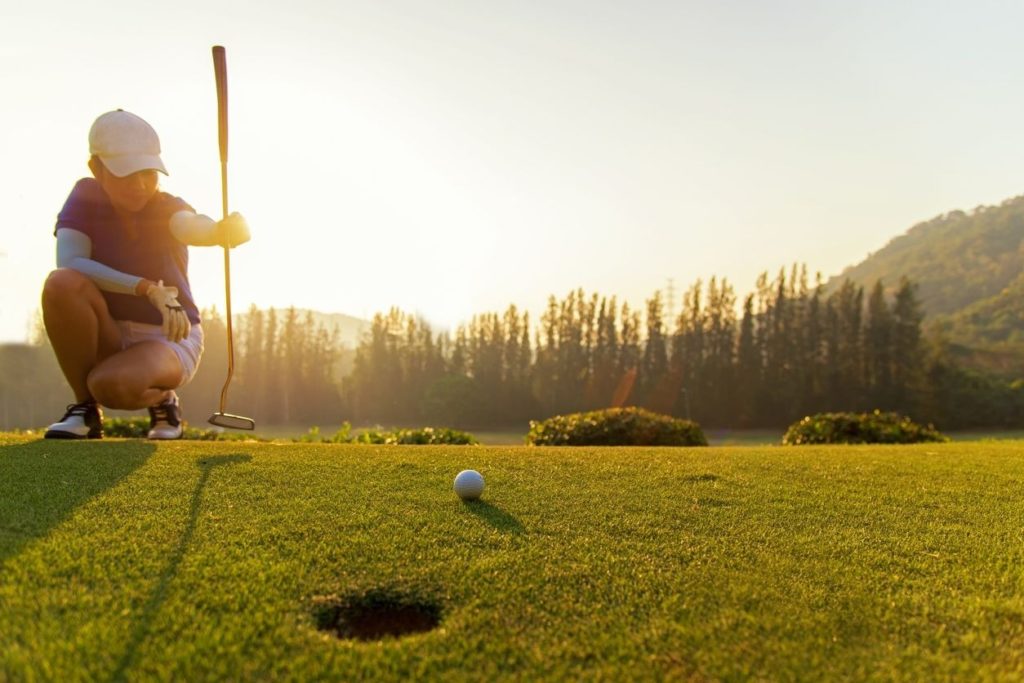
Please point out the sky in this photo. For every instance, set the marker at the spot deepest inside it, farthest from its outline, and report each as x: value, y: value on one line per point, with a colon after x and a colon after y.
x: 452, y: 158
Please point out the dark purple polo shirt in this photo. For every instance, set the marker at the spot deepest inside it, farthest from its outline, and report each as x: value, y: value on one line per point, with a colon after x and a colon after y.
x: 152, y: 253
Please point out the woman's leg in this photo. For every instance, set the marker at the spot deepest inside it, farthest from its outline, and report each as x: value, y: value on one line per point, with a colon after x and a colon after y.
x: 80, y: 327
x: 141, y: 376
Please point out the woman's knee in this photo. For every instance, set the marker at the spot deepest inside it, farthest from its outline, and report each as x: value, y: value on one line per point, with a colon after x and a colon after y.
x: 114, y: 388
x: 63, y: 283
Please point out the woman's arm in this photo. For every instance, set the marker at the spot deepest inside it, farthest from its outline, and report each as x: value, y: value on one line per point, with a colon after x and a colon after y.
x: 74, y: 250
x: 202, y: 231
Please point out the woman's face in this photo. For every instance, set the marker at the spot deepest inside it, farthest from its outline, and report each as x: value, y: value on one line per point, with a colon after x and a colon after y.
x: 131, y: 192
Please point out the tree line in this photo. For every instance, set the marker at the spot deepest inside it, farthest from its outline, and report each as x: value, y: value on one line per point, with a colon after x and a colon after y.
x: 788, y: 349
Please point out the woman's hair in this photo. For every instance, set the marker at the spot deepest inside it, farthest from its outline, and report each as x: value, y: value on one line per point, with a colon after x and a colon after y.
x: 95, y: 159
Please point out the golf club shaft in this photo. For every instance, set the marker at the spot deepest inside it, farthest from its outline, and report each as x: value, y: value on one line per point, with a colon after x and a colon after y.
x: 220, y: 68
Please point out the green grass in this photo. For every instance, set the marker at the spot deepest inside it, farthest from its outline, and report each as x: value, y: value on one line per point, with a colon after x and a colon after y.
x: 124, y: 560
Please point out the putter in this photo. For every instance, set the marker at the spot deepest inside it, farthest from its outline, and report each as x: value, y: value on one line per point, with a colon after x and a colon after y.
x: 220, y: 70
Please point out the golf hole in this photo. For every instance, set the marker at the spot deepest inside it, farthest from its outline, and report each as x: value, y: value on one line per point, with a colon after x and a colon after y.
x: 375, y: 615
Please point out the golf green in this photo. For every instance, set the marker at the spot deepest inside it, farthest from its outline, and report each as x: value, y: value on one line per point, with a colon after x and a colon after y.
x: 128, y: 560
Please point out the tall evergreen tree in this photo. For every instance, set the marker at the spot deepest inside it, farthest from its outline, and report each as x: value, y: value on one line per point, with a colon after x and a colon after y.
x: 629, y: 357
x: 605, y: 364
x: 814, y: 350
x: 653, y: 389
x: 748, y: 367
x: 547, y: 371
x: 720, y: 353
x: 907, y: 347
x: 849, y: 359
x: 253, y: 353
x: 878, y: 347
x: 273, y: 371
x: 688, y: 354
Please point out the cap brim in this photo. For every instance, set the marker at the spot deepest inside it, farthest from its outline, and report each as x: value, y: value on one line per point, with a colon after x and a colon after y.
x: 126, y: 164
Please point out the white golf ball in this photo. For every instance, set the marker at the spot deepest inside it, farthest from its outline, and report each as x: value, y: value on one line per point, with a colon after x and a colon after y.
x: 469, y: 484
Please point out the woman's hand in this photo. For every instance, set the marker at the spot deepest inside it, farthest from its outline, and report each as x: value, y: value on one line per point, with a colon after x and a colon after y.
x: 165, y: 299
x: 233, y: 230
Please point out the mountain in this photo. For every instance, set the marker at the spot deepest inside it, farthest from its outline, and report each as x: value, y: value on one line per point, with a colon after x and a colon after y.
x: 956, y: 259
x: 989, y: 334
x: 993, y: 321
x: 969, y: 270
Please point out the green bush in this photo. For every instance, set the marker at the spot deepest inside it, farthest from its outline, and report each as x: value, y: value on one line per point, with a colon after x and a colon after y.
x: 138, y: 428
x: 418, y: 437
x: 615, y: 427
x: 343, y: 435
x: 876, y: 427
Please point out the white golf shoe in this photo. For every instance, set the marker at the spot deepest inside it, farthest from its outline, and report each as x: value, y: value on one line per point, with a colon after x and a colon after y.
x: 165, y: 419
x: 81, y: 421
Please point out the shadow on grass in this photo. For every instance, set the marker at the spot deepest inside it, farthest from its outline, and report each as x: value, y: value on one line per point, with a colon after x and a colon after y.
x: 42, y: 482
x: 495, y: 516
x: 696, y: 478
x: 152, y: 607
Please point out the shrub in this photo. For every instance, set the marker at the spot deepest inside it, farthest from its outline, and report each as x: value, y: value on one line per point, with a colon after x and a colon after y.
x: 615, y: 427
x: 138, y: 428
x: 419, y: 437
x: 424, y: 436
x: 876, y: 427
x: 343, y: 435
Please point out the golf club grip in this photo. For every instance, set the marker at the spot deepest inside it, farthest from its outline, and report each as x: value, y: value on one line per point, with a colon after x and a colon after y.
x: 220, y: 70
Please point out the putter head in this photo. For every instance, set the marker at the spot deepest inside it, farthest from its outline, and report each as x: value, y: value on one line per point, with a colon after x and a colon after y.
x: 232, y: 421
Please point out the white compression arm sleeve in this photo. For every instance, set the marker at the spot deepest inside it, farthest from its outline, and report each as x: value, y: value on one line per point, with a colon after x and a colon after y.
x: 194, y: 229
x: 74, y: 249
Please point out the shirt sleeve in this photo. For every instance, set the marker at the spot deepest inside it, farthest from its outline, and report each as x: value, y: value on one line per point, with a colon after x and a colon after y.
x: 73, y: 251
x: 170, y: 205
x: 194, y: 229
x: 80, y: 209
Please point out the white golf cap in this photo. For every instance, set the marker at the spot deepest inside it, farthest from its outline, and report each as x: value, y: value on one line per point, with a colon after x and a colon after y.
x: 125, y: 143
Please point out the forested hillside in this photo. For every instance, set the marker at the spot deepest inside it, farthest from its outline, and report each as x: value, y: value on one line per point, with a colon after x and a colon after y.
x: 956, y: 259
x: 969, y: 269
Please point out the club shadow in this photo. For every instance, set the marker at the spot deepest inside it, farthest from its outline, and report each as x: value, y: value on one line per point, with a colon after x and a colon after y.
x: 42, y: 482
x: 206, y: 466
x: 495, y: 516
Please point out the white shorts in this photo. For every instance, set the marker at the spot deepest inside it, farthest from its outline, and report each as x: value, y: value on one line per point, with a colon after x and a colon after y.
x: 189, y: 350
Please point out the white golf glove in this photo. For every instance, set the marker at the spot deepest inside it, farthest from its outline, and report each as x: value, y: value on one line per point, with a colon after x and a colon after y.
x: 176, y: 325
x: 233, y: 230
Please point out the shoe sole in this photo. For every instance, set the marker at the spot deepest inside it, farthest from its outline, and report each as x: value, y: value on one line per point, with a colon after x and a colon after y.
x: 164, y: 438
x: 72, y: 436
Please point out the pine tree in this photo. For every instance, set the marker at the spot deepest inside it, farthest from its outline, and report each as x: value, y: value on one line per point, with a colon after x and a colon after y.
x: 720, y: 314
x: 572, y: 354
x: 457, y: 362
x: 849, y: 356
x: 546, y: 377
x: 605, y: 371
x: 652, y: 390
x: 748, y: 367
x: 814, y: 352
x: 907, y: 348
x: 250, y: 361
x: 629, y: 358
x: 878, y: 347
x: 764, y: 400
x: 778, y: 379
x: 688, y: 354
